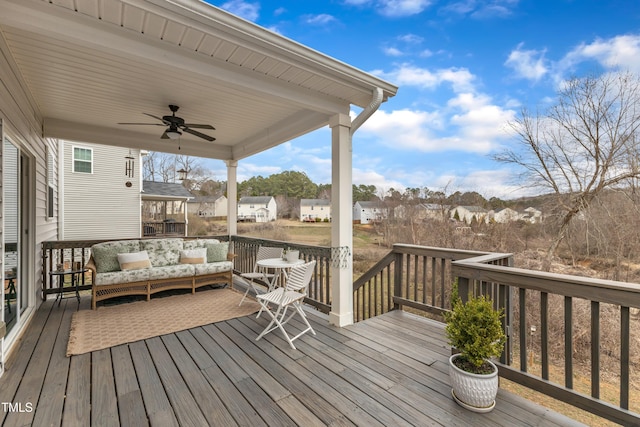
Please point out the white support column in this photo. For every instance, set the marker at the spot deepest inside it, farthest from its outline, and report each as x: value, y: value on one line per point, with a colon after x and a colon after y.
x: 232, y: 197
x: 342, y: 219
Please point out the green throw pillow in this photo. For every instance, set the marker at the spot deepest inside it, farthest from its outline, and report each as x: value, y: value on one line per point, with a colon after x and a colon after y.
x: 217, y: 252
x: 105, y: 255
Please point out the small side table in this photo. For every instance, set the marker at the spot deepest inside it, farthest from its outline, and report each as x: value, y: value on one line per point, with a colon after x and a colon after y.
x: 75, y: 282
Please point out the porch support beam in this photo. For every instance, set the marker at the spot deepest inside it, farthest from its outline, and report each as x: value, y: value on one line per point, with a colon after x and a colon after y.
x: 232, y: 197
x: 341, y: 226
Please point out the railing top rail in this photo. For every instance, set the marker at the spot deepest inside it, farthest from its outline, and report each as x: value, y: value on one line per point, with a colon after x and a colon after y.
x: 280, y: 243
x: 601, y: 290
x: 453, y: 254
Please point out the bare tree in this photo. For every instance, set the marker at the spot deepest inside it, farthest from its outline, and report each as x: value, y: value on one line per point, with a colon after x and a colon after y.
x: 585, y: 144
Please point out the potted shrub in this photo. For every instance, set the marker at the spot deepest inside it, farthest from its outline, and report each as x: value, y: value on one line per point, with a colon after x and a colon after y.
x: 474, y: 329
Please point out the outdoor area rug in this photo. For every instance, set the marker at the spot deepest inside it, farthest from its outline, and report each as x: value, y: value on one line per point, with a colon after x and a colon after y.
x: 124, y: 323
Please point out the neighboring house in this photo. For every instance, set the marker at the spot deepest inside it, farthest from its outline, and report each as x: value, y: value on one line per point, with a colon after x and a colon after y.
x: 312, y: 210
x: 532, y: 215
x: 433, y: 211
x: 98, y: 197
x: 469, y: 214
x: 505, y: 215
x: 368, y: 212
x: 164, y: 208
x: 208, y: 206
x: 257, y: 208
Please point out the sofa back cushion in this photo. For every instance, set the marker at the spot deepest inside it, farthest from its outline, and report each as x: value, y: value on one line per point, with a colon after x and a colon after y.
x: 105, y: 255
x: 217, y: 252
x: 162, y: 252
x: 198, y: 243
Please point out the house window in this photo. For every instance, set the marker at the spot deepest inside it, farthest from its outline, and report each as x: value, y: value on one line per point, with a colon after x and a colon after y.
x: 82, y: 160
x: 49, y: 175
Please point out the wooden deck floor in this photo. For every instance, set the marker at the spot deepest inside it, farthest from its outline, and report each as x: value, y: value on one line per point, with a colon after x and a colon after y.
x: 387, y: 371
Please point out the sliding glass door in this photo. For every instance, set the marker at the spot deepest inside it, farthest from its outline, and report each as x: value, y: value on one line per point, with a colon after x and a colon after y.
x: 15, y: 207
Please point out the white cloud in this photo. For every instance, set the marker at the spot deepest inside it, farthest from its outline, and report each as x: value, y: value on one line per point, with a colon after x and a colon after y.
x: 370, y: 177
x: 411, y: 38
x: 392, y: 51
x: 528, y: 64
x: 321, y: 19
x: 396, y: 8
x: 408, y: 75
x: 246, y: 10
x: 617, y: 52
x: 249, y: 170
x: 482, y: 9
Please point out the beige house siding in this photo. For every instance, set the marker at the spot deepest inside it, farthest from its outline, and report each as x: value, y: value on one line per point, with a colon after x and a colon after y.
x: 99, y: 205
x: 22, y: 125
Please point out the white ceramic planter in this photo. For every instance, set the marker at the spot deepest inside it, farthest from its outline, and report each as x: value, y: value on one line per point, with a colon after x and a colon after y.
x: 292, y: 256
x: 473, y: 391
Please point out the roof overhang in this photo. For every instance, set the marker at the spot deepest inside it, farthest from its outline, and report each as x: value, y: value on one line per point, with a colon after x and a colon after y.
x: 91, y: 64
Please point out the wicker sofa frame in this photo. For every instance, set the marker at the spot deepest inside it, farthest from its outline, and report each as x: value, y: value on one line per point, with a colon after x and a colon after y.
x: 152, y: 286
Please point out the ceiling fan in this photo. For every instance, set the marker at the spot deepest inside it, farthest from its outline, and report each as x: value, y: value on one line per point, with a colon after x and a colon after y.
x: 175, y: 125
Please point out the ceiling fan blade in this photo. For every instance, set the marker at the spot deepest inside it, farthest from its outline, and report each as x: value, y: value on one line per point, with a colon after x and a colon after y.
x: 147, y: 124
x: 191, y: 125
x: 164, y: 135
x: 196, y: 133
x: 155, y: 117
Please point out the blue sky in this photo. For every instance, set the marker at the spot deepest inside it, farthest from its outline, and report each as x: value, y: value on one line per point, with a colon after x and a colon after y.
x: 464, y: 70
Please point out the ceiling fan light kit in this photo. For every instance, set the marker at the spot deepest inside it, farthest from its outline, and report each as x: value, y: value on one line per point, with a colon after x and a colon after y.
x: 175, y: 124
x: 173, y: 134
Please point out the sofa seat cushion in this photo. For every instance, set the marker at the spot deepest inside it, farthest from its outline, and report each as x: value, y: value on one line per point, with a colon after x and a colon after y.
x: 213, y: 267
x: 162, y: 252
x: 172, y: 271
x: 198, y: 243
x: 128, y: 276
x: 105, y: 255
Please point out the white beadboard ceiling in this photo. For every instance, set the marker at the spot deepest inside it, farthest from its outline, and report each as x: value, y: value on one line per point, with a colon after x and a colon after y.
x: 91, y: 64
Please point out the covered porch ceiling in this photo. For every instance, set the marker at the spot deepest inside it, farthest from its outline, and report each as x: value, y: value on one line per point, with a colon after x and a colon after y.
x: 91, y: 64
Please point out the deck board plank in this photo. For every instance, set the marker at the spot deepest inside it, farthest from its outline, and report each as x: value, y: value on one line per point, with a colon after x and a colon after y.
x: 130, y: 403
x: 391, y: 370
x: 183, y: 402
x: 51, y: 403
x: 211, y: 405
x: 31, y: 386
x: 77, y: 404
x: 157, y: 405
x: 311, y: 375
x: 104, y: 403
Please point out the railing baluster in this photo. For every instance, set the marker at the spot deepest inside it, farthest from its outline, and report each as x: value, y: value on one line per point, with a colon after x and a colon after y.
x: 595, y: 349
x: 544, y: 334
x: 568, y: 342
x: 624, y: 356
x: 522, y: 304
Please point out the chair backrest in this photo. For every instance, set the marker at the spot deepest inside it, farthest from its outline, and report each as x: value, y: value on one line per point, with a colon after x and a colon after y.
x: 266, y: 252
x: 299, y: 276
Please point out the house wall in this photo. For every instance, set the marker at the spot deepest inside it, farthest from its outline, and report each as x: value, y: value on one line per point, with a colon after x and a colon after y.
x: 258, y: 211
x: 313, y: 212
x: 22, y: 125
x: 99, y: 205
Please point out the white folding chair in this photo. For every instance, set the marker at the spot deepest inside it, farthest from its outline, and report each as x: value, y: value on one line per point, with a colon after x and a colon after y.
x: 290, y: 296
x: 259, y: 273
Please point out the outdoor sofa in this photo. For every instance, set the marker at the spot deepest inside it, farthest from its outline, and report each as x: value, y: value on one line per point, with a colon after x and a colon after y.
x: 147, y: 266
